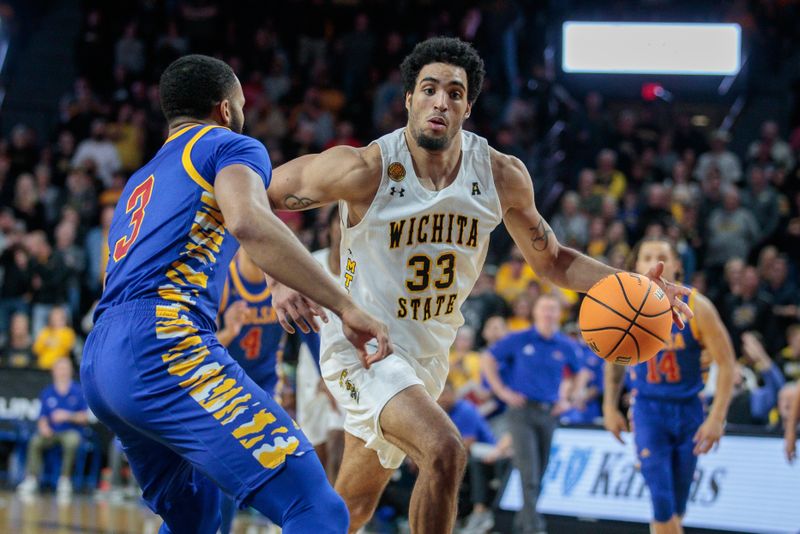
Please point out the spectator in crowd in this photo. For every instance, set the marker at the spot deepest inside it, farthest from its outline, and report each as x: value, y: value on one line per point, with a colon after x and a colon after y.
x: 494, y: 329
x: 513, y: 276
x: 15, y: 290
x: 770, y: 149
x: 521, y: 309
x: 97, y: 251
x: 64, y: 413
x: 49, y: 194
x: 763, y: 201
x: 129, y: 51
x: 98, y: 153
x: 465, y: 363
x: 27, y: 206
x: 590, y: 199
x: 719, y: 157
x: 48, y: 281
x: 732, y: 230
x: 783, y: 291
x: 55, y: 341
x: 73, y: 258
x: 570, y: 225
x: 751, y: 404
x: 750, y: 309
x: 525, y: 371
x: 18, y: 351
x: 482, y: 303
x: 610, y: 180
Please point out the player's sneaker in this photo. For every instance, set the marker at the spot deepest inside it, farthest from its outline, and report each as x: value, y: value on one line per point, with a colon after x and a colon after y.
x: 27, y: 488
x: 64, y: 489
x: 479, y: 522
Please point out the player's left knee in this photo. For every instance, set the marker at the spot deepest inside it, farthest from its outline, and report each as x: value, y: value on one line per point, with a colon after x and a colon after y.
x: 448, y: 457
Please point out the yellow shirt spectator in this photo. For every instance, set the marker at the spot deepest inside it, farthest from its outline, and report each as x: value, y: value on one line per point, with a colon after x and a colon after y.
x: 52, y: 344
x: 513, y: 277
x: 464, y: 368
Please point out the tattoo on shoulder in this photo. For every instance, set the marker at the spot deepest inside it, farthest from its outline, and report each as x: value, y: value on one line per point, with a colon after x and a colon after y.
x: 540, y: 237
x: 293, y: 202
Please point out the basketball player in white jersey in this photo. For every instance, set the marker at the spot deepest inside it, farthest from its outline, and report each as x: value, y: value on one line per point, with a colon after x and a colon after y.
x: 417, y: 208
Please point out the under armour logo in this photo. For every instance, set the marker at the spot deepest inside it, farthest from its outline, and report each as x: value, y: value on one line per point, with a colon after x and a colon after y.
x: 400, y: 191
x: 475, y: 189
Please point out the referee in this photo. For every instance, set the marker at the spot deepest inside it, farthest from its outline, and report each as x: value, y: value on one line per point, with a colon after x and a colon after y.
x: 525, y: 371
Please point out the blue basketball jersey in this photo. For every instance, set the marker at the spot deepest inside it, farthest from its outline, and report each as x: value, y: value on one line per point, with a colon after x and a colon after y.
x: 167, y: 239
x: 257, y: 346
x: 677, y: 372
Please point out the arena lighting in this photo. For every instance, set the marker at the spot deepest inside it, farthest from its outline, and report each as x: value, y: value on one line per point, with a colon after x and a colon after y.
x: 651, y: 48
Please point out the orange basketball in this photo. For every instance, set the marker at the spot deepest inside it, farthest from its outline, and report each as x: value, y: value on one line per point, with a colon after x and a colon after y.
x: 625, y: 318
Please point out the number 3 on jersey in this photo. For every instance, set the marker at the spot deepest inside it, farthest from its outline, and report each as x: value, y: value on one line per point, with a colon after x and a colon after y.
x: 137, y: 202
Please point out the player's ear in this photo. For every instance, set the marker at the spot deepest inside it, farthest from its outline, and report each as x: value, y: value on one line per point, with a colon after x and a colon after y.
x: 469, y: 110
x: 408, y: 101
x: 223, y: 113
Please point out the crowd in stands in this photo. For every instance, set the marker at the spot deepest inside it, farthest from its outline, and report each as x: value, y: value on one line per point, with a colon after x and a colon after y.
x: 312, y: 82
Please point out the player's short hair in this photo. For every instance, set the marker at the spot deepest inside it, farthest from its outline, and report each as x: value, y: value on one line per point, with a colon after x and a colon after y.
x: 451, y: 51
x: 192, y: 85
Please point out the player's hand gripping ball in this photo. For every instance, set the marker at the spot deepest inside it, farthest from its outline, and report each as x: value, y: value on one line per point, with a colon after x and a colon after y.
x: 625, y: 318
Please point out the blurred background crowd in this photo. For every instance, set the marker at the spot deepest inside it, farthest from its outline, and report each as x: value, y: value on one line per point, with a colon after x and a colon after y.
x: 607, y: 169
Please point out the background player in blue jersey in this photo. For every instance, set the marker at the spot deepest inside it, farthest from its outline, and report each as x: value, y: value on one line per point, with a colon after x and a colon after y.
x: 189, y: 418
x: 668, y: 426
x: 249, y: 325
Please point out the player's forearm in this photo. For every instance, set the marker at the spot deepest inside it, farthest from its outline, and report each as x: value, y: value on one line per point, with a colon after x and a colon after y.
x: 723, y: 391
x: 276, y: 251
x: 572, y: 270
x: 612, y: 385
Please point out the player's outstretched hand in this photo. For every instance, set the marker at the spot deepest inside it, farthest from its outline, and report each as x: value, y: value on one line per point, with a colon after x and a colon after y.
x: 674, y: 293
x: 291, y: 306
x: 235, y: 317
x: 615, y: 423
x: 790, y: 444
x: 359, y: 328
x: 708, y: 435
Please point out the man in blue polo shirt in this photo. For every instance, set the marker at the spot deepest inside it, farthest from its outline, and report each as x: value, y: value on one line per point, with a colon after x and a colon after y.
x: 62, y: 416
x: 525, y: 370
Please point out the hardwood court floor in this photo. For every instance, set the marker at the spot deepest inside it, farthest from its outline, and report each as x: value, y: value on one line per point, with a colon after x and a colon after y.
x: 85, y: 514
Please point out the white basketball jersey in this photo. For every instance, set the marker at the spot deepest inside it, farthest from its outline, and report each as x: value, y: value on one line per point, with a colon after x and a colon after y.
x: 415, y: 256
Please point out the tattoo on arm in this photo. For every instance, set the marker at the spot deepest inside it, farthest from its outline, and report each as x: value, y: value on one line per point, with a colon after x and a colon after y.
x: 293, y: 202
x: 540, y: 237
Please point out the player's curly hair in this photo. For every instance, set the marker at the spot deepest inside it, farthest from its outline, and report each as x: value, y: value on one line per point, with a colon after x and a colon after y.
x: 451, y: 51
x: 192, y: 85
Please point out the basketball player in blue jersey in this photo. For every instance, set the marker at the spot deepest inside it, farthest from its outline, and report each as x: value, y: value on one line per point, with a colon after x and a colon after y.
x: 668, y: 426
x: 417, y: 208
x: 189, y: 418
x: 248, y: 323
